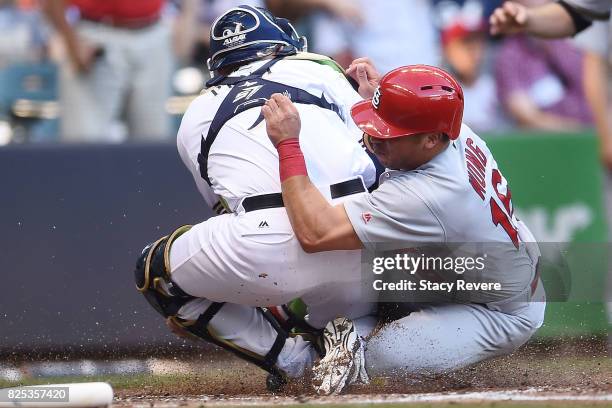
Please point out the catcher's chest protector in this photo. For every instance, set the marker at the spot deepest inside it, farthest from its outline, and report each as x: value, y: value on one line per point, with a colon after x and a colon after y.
x: 242, y: 97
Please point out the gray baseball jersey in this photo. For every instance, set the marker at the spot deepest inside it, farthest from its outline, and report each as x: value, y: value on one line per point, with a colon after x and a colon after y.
x: 458, y: 198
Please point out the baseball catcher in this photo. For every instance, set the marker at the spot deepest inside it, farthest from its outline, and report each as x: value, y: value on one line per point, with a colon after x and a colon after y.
x: 215, y: 280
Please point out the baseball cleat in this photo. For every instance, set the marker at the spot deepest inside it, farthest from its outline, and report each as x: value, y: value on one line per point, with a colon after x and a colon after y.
x: 344, y: 361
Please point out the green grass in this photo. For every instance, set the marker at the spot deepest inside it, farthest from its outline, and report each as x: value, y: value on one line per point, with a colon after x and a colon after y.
x: 503, y: 404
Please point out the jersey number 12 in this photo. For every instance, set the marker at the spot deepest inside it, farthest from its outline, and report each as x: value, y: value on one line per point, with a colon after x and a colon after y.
x: 501, y: 217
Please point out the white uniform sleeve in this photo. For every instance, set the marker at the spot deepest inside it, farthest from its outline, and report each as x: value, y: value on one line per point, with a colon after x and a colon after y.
x: 340, y: 91
x: 337, y: 90
x: 594, y: 9
x: 392, y: 216
x: 188, y: 145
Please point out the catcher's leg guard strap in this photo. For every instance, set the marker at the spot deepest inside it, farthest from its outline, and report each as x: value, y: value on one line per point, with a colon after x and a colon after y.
x: 200, y: 328
x: 267, y: 362
x: 281, y: 337
x: 153, y: 280
x: 291, y: 317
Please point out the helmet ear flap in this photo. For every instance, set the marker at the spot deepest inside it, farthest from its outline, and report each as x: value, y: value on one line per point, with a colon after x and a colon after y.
x: 287, y: 27
x: 303, y: 41
x: 299, y: 41
x: 366, y: 142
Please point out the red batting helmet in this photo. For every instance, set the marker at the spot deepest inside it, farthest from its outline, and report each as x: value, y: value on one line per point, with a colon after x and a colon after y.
x: 411, y: 100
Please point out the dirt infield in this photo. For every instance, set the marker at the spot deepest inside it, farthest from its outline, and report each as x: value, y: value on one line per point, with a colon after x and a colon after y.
x: 580, y: 371
x: 577, y: 373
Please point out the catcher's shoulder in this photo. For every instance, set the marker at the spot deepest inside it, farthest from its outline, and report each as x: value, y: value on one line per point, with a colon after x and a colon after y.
x: 311, y: 56
x: 319, y: 59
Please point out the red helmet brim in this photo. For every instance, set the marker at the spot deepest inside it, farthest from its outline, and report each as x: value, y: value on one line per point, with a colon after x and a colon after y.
x: 370, y: 122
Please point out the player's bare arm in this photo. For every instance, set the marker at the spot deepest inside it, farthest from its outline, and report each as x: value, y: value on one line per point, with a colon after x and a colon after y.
x: 318, y: 225
x: 81, y: 53
x: 550, y: 20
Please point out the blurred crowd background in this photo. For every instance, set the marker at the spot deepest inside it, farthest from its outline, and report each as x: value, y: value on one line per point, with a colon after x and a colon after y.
x: 116, y: 71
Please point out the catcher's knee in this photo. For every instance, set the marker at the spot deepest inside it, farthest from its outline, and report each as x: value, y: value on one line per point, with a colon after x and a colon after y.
x: 152, y: 276
x: 153, y: 280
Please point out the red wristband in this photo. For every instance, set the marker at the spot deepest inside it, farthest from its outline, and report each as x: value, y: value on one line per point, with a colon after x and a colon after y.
x: 290, y: 159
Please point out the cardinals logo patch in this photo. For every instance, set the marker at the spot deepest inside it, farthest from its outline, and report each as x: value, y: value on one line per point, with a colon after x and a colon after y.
x: 376, y: 98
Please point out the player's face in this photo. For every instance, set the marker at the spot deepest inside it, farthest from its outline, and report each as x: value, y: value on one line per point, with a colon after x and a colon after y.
x: 401, y: 153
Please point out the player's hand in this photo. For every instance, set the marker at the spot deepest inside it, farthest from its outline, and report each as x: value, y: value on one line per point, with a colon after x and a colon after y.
x: 510, y: 18
x: 363, y: 71
x: 282, y: 119
x: 82, y: 55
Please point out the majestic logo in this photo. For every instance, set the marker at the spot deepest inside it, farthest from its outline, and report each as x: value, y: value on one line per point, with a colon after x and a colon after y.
x: 366, y: 217
x: 376, y: 98
x: 264, y: 224
x: 248, y: 91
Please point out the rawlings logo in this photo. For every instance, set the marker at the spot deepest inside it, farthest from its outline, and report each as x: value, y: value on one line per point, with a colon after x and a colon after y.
x: 234, y: 39
x: 376, y: 98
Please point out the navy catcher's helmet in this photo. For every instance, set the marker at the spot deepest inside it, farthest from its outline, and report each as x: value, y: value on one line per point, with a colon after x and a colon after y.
x: 246, y: 33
